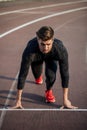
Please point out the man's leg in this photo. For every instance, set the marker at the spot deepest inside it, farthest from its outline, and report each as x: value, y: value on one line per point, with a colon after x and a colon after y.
x: 50, y: 72
x: 37, y: 68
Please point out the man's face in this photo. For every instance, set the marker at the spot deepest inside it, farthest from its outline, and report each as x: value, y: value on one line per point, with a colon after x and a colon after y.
x: 45, y: 46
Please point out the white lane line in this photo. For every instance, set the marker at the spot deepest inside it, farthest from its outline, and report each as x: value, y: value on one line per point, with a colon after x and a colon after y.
x: 40, y: 19
x: 42, y: 7
x: 45, y: 109
x: 7, y: 100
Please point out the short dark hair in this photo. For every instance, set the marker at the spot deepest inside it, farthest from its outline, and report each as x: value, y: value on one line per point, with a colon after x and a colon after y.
x: 45, y: 33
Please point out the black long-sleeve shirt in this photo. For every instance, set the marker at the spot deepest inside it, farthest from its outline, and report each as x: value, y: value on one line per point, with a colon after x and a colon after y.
x: 33, y: 53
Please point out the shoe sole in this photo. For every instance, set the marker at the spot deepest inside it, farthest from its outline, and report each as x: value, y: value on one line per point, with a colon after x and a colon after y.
x: 50, y: 101
x: 39, y: 82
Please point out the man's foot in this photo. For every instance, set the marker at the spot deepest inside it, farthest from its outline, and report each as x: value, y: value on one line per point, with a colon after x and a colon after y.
x: 39, y: 80
x: 49, y: 96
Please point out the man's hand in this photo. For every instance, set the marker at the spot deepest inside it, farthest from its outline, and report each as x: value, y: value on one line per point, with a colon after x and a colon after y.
x: 18, y: 105
x: 67, y: 104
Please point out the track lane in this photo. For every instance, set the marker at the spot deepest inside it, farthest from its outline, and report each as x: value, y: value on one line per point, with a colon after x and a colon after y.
x: 11, y: 20
x: 37, y: 103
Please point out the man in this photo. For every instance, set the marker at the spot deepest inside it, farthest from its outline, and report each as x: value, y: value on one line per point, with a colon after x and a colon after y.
x: 45, y: 48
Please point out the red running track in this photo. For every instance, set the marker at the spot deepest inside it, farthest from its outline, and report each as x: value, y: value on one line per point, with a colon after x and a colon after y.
x: 18, y: 25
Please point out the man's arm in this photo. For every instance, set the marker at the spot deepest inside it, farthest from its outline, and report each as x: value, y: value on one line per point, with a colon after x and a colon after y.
x: 64, y: 71
x: 25, y: 63
x: 64, y: 68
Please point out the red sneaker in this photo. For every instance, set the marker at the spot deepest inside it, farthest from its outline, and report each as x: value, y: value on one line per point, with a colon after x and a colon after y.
x: 39, y: 80
x: 49, y: 96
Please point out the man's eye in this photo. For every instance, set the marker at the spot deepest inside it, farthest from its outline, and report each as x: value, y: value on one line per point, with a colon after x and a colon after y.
x: 44, y: 44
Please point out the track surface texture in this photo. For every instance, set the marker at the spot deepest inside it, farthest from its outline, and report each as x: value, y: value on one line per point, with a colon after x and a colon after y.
x: 19, y: 21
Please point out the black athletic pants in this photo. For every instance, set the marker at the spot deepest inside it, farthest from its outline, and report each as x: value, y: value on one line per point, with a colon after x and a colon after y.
x: 50, y: 71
